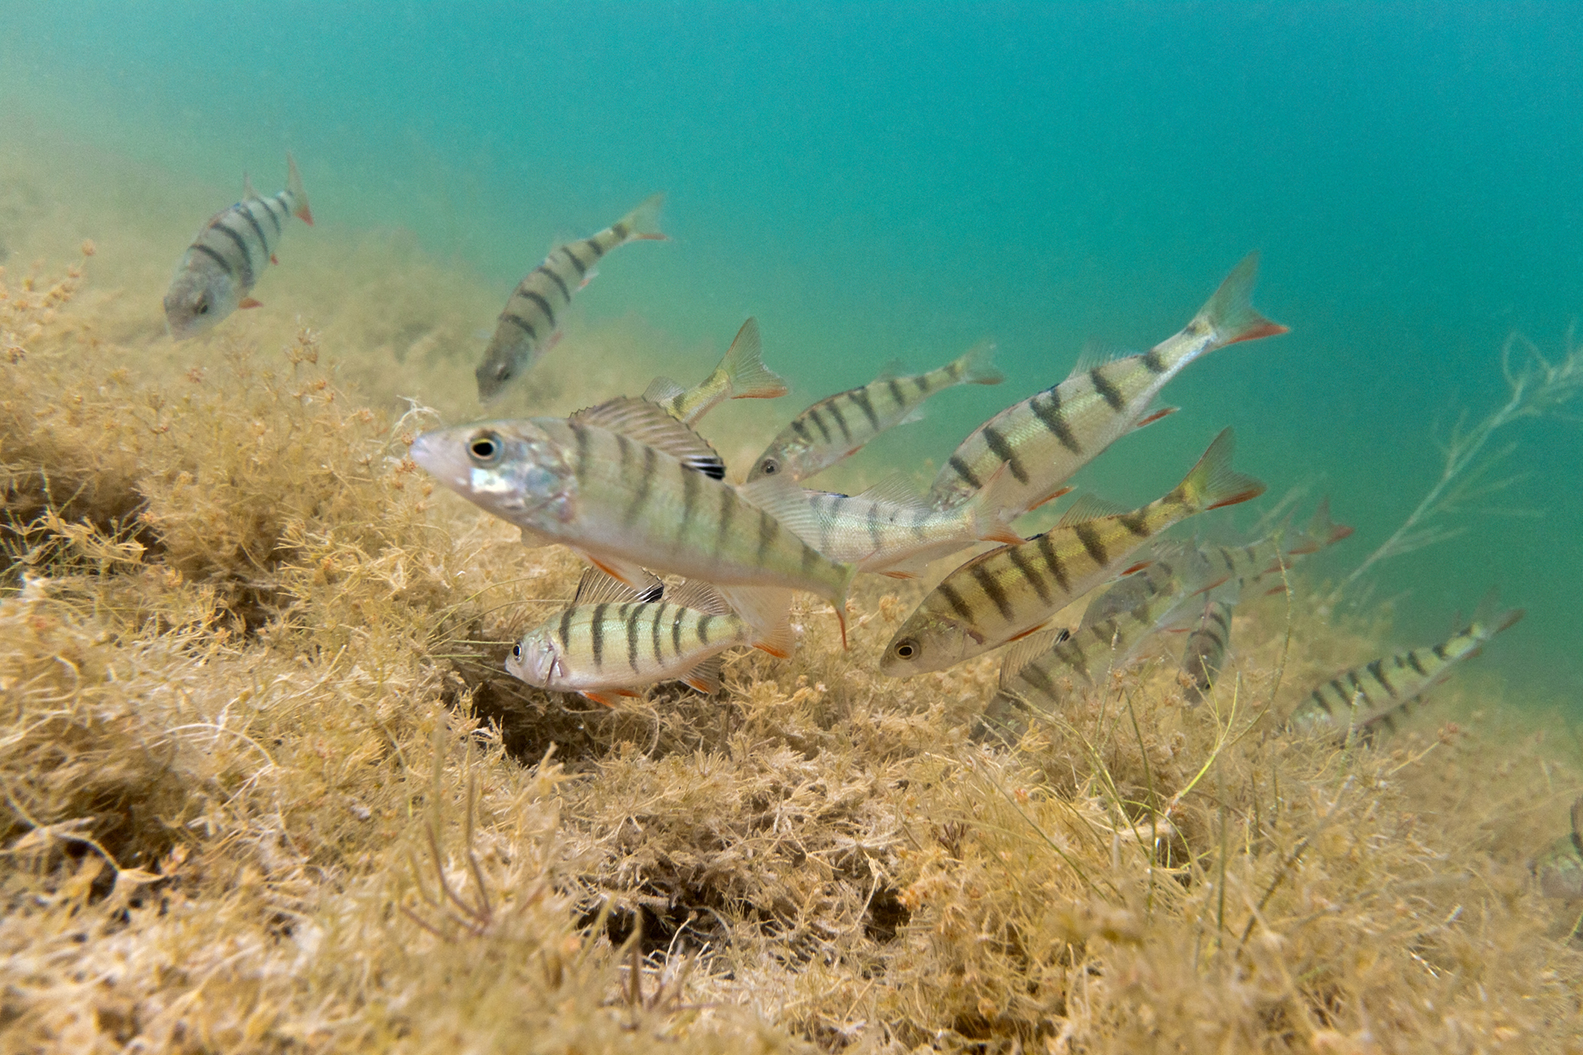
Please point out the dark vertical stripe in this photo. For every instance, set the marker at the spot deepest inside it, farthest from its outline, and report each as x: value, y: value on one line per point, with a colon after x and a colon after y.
x: 954, y: 599
x: 1153, y: 360
x: 522, y: 324
x: 598, y: 249
x: 814, y: 416
x: 1005, y: 453
x: 676, y: 631
x: 1052, y: 560
x: 582, y: 268
x: 542, y: 304
x: 1321, y: 701
x: 1029, y: 572
x: 866, y: 405
x: 247, y: 257
x: 1377, y: 669
x: 583, y: 449
x: 1106, y: 389
x: 597, y: 626
x: 1050, y: 416
x: 962, y: 469
x: 545, y: 269
x: 1135, y: 523
x: 565, y: 630
x: 991, y: 586
x: 691, y: 482
x: 262, y: 240
x: 645, y: 485
x: 769, y: 528
x: 225, y: 265
x: 834, y: 406
x: 895, y: 392
x: 632, y: 635
x: 703, y: 627
x: 728, y: 512
x: 1092, y: 543
x: 1412, y: 661
x: 1440, y: 652
x: 269, y: 207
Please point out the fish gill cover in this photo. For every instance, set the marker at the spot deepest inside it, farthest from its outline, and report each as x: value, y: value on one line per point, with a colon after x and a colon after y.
x: 267, y: 785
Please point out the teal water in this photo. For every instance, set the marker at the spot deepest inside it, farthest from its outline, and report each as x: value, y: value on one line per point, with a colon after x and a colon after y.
x: 883, y: 180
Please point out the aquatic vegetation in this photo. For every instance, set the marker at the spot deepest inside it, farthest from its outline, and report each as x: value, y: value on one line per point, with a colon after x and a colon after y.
x: 1537, y: 388
x: 265, y: 785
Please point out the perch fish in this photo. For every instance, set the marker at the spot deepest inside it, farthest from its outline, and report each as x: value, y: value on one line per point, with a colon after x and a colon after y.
x: 531, y: 319
x: 1358, y: 702
x: 630, y: 487
x: 835, y: 427
x: 1002, y: 595
x: 1047, y: 438
x: 220, y: 268
x: 613, y: 640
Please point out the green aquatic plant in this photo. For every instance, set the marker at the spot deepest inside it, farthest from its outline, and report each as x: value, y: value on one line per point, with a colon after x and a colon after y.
x: 1536, y: 388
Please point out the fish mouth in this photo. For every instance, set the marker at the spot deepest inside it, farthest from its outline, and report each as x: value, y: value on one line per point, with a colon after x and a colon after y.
x: 428, y: 451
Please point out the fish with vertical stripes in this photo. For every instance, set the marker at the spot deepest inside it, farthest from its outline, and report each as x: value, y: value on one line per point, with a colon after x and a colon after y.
x: 740, y: 375
x: 835, y: 427
x: 219, y: 270
x: 892, y: 530
x: 613, y: 640
x: 1205, y: 651
x: 1047, y: 438
x: 1358, y: 703
x: 630, y: 488
x: 1007, y: 593
x: 531, y: 321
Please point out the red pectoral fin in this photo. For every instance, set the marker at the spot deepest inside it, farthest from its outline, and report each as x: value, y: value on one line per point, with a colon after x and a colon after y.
x: 601, y: 697
x: 249, y: 302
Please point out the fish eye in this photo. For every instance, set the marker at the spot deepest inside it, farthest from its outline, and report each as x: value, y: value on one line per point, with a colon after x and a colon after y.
x: 502, y: 371
x: 769, y: 466
x: 906, y: 649
x: 516, y: 651
x: 485, y: 448
x: 202, y: 307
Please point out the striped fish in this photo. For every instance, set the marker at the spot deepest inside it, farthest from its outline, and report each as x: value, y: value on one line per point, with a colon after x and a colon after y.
x: 833, y: 428
x: 613, y: 640
x: 1038, y: 667
x: 1002, y: 595
x: 1047, y: 438
x: 891, y: 530
x: 1205, y: 652
x: 1361, y: 701
x: 224, y: 262
x: 740, y: 375
x: 531, y: 321
x: 630, y: 487
x: 1559, y: 869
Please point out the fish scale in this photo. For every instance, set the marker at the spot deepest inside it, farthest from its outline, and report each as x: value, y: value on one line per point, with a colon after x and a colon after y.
x: 1048, y: 437
x: 1009, y: 592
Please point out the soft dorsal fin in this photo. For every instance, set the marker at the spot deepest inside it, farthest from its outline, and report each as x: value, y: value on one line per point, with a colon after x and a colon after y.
x: 595, y: 587
x: 663, y: 390
x: 894, y: 489
x: 781, y: 498
x: 248, y: 193
x: 652, y: 424
x: 1089, y: 507
x: 892, y: 369
x: 1028, y: 649
x: 699, y: 596
x: 1097, y: 352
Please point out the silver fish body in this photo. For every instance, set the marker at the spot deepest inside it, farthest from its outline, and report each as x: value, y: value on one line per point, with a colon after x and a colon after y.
x: 228, y: 256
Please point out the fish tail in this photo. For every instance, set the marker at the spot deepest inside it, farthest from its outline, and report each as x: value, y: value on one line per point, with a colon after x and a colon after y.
x: 1213, y: 483
x: 1230, y: 313
x: 1321, y: 530
x: 294, y: 184
x: 976, y: 366
x: 644, y: 221
x: 746, y: 375
x: 1489, y: 618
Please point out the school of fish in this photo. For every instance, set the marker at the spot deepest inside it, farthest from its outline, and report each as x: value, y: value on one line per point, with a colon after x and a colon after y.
x: 685, y: 564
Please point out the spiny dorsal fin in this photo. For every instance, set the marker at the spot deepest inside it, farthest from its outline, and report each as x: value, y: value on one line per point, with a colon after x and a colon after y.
x: 663, y: 390
x: 1086, y: 508
x: 700, y: 596
x: 892, y: 369
x: 1028, y: 649
x: 652, y: 424
x: 595, y: 587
